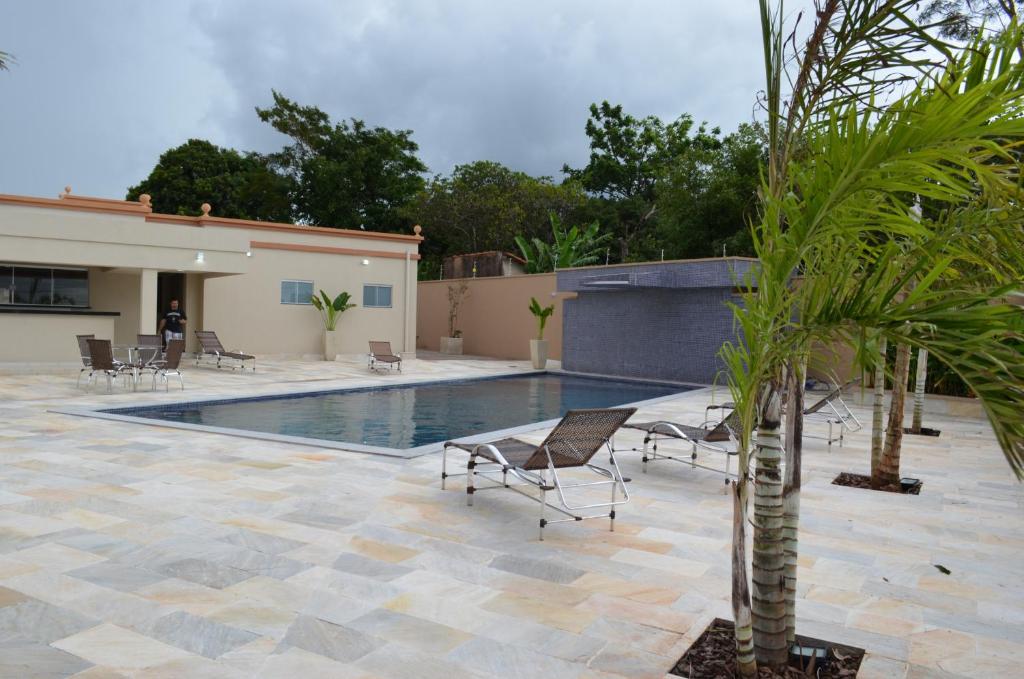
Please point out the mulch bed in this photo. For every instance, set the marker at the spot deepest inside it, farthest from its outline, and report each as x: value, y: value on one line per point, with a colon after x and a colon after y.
x: 713, y: 656
x: 862, y: 481
x: 925, y: 431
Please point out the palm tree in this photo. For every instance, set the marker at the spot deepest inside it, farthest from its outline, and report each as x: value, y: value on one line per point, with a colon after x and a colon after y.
x: 5, y: 59
x: 834, y: 208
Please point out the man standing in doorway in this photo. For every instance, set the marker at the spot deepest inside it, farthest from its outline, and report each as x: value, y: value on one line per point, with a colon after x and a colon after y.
x: 172, y: 325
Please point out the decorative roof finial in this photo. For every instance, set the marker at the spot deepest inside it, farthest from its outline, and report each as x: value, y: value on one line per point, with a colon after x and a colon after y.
x: 67, y: 191
x: 146, y: 200
x: 417, y: 229
x: 205, y: 208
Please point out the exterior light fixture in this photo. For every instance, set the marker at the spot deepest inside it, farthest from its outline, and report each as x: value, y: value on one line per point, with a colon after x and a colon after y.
x: 200, y: 257
x: 366, y: 262
x: 248, y: 253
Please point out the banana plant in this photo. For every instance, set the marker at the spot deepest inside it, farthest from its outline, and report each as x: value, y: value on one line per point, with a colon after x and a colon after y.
x: 541, y: 314
x: 331, y: 310
x: 575, y: 246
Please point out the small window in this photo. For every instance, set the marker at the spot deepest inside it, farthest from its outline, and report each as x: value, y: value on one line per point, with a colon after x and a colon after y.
x: 296, y: 292
x: 376, y: 296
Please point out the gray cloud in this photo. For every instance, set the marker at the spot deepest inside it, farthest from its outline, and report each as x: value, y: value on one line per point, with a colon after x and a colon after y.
x: 102, y: 88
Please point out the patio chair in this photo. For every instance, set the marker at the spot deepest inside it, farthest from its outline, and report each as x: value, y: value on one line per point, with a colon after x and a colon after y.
x: 169, y: 366
x: 380, y: 353
x: 210, y: 346
x: 150, y: 348
x: 571, y: 444
x: 717, y: 437
x: 83, y: 351
x: 833, y: 410
x: 101, y: 360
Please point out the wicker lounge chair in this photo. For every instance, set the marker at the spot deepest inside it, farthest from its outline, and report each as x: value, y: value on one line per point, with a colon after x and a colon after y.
x: 101, y: 360
x: 210, y: 347
x: 381, y: 354
x: 571, y: 444
x: 169, y: 366
x: 717, y: 437
x: 83, y: 351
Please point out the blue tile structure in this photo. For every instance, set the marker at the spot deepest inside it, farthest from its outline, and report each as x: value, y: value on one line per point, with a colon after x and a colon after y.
x: 659, y: 320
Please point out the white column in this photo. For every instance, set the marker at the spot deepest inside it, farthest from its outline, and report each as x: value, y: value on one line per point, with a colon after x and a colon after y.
x: 147, y: 302
x: 410, y: 305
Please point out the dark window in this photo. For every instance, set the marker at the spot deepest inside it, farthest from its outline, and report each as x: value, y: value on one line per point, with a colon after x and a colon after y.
x: 39, y: 286
x: 376, y: 295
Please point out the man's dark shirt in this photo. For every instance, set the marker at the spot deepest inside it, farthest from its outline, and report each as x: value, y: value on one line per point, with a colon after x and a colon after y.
x: 172, y: 321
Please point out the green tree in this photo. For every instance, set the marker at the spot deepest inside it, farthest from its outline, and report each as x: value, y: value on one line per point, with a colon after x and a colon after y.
x: 575, y: 246
x: 483, y: 206
x: 962, y: 19
x: 236, y: 185
x: 708, y: 198
x: 834, y: 207
x: 628, y: 158
x: 346, y: 175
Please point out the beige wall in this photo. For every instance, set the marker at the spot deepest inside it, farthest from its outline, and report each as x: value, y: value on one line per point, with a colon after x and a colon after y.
x: 495, y: 318
x: 246, y: 311
x: 48, y: 337
x: 109, y: 291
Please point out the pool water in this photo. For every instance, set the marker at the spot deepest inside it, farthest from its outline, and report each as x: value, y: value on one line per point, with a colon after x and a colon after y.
x: 409, y: 416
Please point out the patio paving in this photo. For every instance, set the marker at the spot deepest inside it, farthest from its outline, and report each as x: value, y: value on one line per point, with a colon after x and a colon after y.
x: 145, y: 551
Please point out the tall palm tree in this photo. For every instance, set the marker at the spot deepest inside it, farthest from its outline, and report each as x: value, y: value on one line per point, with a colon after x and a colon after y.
x: 834, y: 208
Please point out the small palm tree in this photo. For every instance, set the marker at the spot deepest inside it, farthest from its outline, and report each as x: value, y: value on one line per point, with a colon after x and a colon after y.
x: 331, y: 310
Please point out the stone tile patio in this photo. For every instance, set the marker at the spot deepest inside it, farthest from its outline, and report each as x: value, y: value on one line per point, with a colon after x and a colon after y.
x: 142, y: 551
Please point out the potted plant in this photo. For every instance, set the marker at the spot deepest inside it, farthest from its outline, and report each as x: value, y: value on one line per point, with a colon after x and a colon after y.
x: 539, y: 346
x: 452, y: 344
x: 331, y: 311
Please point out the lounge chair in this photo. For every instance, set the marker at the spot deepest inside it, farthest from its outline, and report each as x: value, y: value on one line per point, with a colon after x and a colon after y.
x: 83, y: 351
x: 717, y: 437
x: 169, y: 366
x: 833, y: 410
x: 101, y: 360
x: 210, y: 346
x: 380, y: 353
x: 571, y: 444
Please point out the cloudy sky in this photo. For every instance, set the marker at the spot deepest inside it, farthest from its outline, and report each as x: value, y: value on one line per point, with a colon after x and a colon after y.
x: 101, y: 87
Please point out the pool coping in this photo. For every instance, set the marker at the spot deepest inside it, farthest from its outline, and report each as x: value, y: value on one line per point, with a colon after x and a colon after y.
x: 401, y: 453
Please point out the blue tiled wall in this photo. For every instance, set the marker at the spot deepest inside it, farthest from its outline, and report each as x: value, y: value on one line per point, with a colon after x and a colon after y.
x: 666, y: 334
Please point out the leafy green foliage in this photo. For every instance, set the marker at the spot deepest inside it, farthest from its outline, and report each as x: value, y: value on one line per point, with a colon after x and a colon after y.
x: 482, y: 206
x: 962, y: 19
x: 541, y: 314
x: 237, y: 185
x: 576, y: 246
x: 331, y: 310
x: 628, y: 157
x: 345, y: 175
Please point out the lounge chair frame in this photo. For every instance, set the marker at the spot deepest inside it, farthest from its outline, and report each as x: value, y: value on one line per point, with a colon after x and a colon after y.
x: 571, y: 444
x: 210, y: 347
x: 381, y: 354
x: 834, y: 411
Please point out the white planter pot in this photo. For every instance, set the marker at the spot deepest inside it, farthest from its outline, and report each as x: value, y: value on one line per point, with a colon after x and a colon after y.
x: 451, y: 345
x: 332, y: 345
x: 539, y: 353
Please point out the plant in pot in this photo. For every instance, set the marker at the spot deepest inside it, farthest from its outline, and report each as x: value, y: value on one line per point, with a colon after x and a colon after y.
x: 539, y: 346
x: 452, y: 344
x: 331, y: 310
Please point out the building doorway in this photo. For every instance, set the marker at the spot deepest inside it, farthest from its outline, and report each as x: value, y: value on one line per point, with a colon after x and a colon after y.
x: 169, y: 286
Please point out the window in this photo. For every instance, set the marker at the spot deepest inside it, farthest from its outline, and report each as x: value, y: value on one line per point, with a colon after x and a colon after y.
x: 376, y: 296
x: 296, y: 292
x: 43, y: 286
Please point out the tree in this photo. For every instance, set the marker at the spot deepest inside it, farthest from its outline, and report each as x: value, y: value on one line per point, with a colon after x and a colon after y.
x: 483, y: 206
x: 709, y: 197
x: 576, y: 246
x: 833, y: 207
x: 346, y: 175
x: 628, y: 157
x: 235, y: 184
x: 962, y: 19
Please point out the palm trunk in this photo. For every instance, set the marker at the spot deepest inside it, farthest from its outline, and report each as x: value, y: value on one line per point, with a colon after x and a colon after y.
x: 878, y: 411
x: 769, y: 600
x: 888, y: 471
x: 791, y: 488
x: 919, y: 384
x: 745, y: 663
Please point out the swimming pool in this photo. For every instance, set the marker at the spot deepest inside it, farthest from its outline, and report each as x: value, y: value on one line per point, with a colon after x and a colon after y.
x: 408, y: 417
